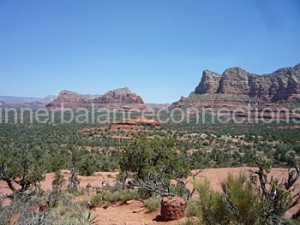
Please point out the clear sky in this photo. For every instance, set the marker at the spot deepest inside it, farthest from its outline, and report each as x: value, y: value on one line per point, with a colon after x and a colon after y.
x: 157, y: 48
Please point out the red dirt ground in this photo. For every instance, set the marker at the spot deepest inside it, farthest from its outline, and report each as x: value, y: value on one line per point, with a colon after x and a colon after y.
x: 123, y: 214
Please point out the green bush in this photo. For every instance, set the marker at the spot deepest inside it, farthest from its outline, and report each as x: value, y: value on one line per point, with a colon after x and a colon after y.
x: 153, y: 204
x: 117, y: 196
x: 240, y: 203
x: 153, y: 163
x: 128, y: 195
x: 192, y: 209
x: 110, y: 196
x: 95, y: 201
x: 243, y: 201
x: 212, y: 204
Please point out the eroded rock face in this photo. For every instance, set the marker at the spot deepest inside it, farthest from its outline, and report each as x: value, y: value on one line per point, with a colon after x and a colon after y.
x: 209, y: 83
x: 279, y: 85
x: 138, y: 123
x: 182, y: 102
x: 234, y: 81
x: 172, y: 208
x: 123, y: 95
x: 243, y: 94
x: 117, y: 99
x: 68, y: 99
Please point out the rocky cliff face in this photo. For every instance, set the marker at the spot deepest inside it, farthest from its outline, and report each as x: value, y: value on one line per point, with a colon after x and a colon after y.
x: 209, y: 83
x: 120, y: 98
x: 279, y: 85
x: 68, y: 99
x: 237, y: 90
x: 179, y: 104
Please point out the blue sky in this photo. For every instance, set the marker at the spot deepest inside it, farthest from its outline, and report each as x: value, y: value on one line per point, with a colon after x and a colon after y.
x: 157, y: 48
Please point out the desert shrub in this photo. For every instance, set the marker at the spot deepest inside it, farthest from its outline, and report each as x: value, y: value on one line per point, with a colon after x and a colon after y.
x: 153, y: 204
x: 243, y: 202
x: 95, y: 201
x: 212, y: 204
x: 73, y: 190
x: 152, y: 163
x: 23, y: 166
x: 127, y: 195
x: 180, y: 190
x: 192, y: 209
x: 248, y: 202
x: 42, y: 218
x: 239, y: 203
x: 5, y: 215
x: 276, y: 196
x: 112, y: 196
x: 24, y: 206
x: 72, y: 214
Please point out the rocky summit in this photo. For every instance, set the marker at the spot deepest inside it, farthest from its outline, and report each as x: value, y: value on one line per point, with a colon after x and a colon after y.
x: 121, y: 98
x: 239, y: 88
x: 279, y: 85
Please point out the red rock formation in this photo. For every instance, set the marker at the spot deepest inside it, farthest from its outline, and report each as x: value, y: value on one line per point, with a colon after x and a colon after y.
x: 182, y: 102
x: 123, y: 96
x: 209, y: 83
x: 68, y: 99
x: 122, y: 99
x: 172, y: 208
x: 279, y: 85
x: 238, y: 89
x: 137, y: 121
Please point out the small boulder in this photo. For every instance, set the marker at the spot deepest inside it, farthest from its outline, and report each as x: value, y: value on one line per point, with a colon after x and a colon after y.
x: 172, y: 208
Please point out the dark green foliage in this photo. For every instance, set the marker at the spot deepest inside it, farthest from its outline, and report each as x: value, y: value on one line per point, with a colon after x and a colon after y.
x: 212, y: 205
x: 22, y: 166
x: 95, y: 201
x: 28, y: 151
x: 193, y: 209
x: 244, y: 205
x: 144, y: 156
x: 153, y: 162
x: 113, y: 196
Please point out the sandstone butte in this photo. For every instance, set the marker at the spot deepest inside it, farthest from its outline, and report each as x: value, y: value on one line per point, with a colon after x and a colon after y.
x: 239, y: 88
x: 122, y: 99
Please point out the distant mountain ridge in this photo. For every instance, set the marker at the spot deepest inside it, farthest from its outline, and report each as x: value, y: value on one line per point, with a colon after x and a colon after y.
x: 70, y: 99
x: 121, y: 98
x: 22, y: 100
x: 30, y: 102
x: 234, y: 88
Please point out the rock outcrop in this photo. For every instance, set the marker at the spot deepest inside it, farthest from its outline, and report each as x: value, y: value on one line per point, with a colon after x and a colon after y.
x: 68, y: 99
x: 239, y: 90
x: 137, y: 121
x: 172, y: 208
x: 122, y: 99
x: 180, y: 103
x: 122, y: 95
x: 279, y: 85
x: 209, y: 83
